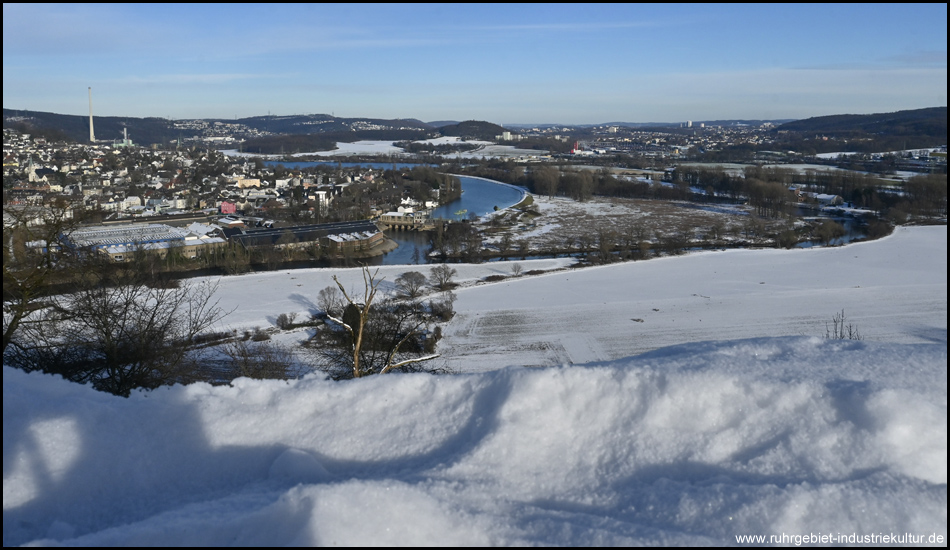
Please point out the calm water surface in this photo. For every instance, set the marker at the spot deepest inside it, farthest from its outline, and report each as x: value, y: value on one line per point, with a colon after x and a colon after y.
x: 479, y: 196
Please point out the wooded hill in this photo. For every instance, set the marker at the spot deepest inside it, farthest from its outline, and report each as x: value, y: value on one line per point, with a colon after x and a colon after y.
x: 473, y: 129
x: 875, y: 133
x: 146, y: 131
x: 57, y: 127
x: 294, y: 133
x: 919, y: 122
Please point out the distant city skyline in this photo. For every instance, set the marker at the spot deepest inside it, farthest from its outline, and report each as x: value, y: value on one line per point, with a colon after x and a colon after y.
x: 515, y: 64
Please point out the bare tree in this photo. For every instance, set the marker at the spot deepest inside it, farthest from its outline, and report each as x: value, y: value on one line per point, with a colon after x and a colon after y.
x: 377, y: 337
x: 117, y: 332
x: 443, y: 307
x: 34, y: 255
x: 331, y: 301
x: 546, y: 180
x: 440, y: 277
x: 828, y: 231
x: 505, y: 244
x: 285, y: 321
x: 409, y: 285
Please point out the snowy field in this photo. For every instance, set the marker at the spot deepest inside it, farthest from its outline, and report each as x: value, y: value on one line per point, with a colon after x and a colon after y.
x: 359, y: 148
x: 365, y: 147
x: 451, y: 140
x: 894, y: 290
x: 490, y: 150
x: 342, y: 149
x: 563, y: 220
x: 739, y: 422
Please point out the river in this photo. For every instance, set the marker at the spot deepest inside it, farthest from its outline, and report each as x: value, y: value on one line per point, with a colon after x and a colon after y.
x: 479, y: 197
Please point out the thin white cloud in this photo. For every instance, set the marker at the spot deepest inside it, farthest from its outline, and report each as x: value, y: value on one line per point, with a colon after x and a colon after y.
x: 931, y: 57
x: 571, y: 26
x: 220, y: 78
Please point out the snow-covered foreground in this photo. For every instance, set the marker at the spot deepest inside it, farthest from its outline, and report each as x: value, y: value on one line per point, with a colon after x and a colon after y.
x: 695, y: 443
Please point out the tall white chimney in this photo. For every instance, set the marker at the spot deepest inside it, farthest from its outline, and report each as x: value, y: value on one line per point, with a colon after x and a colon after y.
x: 92, y: 133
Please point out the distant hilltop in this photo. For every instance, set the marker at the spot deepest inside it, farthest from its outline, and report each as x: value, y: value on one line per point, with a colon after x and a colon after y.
x: 325, y: 128
x: 930, y: 121
x: 271, y: 133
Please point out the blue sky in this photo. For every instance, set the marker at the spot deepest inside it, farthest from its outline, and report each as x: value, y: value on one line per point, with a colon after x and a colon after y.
x: 579, y: 63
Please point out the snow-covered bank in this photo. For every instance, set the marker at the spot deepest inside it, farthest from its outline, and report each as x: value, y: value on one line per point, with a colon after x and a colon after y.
x: 695, y: 444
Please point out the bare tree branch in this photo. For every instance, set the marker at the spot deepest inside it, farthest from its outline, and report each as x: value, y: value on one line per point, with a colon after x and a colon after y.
x: 379, y: 335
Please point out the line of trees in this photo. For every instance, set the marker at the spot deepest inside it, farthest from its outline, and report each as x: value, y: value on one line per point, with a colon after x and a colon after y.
x: 767, y: 190
x: 577, y: 183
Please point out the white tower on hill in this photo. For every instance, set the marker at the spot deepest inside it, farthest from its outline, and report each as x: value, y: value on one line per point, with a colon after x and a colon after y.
x: 92, y: 133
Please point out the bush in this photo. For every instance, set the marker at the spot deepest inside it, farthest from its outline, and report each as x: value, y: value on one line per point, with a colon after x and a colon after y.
x: 787, y: 239
x: 878, y: 229
x: 285, y: 321
x: 842, y: 329
x: 258, y: 360
x: 118, y: 334
x: 443, y: 310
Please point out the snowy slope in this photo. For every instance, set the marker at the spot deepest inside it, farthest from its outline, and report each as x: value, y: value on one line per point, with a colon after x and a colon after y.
x: 690, y: 443
x: 893, y: 289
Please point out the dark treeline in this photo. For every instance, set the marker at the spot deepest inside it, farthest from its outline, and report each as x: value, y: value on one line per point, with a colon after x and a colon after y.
x: 765, y: 188
x: 73, y: 128
x: 425, y: 147
x: 462, y: 241
x: 473, y: 129
x: 811, y: 145
x: 872, y: 133
x: 459, y: 240
x: 542, y: 143
x: 856, y: 141
x: 50, y: 134
x: 448, y: 186
x: 576, y: 183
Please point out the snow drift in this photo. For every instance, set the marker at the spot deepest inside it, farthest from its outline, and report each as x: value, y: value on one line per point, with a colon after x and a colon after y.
x: 692, y: 444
